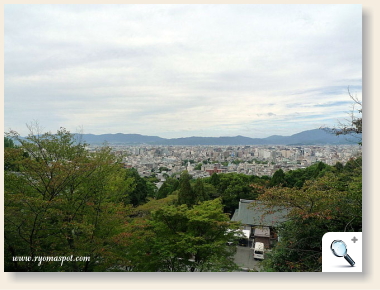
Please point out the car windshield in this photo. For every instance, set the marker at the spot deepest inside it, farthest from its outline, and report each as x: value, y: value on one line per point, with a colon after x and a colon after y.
x: 259, y: 252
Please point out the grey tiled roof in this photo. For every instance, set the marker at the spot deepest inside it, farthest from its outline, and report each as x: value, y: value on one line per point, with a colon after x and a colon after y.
x: 255, y: 213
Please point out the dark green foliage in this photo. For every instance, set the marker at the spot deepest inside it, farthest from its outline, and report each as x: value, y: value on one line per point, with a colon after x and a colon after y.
x: 296, y: 178
x: 8, y: 143
x: 210, y: 190
x: 186, y: 194
x: 151, y: 189
x: 167, y: 188
x: 214, y: 180
x: 339, y: 166
x: 198, y: 166
x: 300, y: 247
x: 181, y: 239
x: 163, y: 169
x: 320, y: 167
x: 141, y: 188
x: 331, y: 202
x: 232, y: 187
x: 260, y: 161
x: 278, y: 178
x: 152, y: 179
x: 200, y: 191
x: 12, y: 159
x: 353, y: 166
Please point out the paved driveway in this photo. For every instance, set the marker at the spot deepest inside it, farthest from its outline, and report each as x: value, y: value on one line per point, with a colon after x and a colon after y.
x: 244, y: 258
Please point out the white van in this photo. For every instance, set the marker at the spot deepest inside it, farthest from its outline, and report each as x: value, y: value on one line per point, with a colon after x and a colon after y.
x: 258, y: 251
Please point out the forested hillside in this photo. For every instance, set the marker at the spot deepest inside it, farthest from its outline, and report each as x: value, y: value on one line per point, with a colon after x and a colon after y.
x: 62, y: 200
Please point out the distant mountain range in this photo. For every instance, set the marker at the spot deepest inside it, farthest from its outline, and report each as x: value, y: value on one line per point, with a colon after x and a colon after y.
x: 309, y: 137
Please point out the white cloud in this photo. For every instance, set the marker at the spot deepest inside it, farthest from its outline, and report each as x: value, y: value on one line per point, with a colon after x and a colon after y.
x: 175, y: 70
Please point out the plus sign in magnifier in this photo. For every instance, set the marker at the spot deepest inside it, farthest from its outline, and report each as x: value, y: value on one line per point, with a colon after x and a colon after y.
x: 339, y: 249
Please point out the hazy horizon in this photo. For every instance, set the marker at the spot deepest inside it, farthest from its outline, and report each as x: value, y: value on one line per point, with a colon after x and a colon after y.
x: 79, y: 132
x: 191, y: 136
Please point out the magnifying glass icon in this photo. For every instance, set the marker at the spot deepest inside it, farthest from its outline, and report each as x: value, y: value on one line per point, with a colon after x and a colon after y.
x: 339, y: 249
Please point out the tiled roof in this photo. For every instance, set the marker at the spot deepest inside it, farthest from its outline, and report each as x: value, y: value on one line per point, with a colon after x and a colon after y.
x: 255, y: 213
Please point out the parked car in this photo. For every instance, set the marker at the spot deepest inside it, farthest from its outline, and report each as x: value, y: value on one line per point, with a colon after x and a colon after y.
x: 258, y: 251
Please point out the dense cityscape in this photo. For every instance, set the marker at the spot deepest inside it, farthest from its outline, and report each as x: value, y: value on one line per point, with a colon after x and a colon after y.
x: 203, y: 161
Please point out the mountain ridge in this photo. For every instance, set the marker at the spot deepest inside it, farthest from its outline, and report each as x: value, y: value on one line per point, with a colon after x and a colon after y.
x: 308, y: 137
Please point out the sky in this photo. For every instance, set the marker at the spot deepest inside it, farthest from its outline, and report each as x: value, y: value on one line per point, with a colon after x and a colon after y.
x: 181, y: 70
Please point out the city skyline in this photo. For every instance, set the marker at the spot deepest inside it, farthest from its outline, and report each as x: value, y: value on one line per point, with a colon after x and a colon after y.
x: 181, y: 70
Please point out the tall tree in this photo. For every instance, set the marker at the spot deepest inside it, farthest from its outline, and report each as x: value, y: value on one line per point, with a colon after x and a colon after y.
x: 277, y: 178
x: 138, y: 195
x: 186, y: 194
x: 63, y: 201
x: 214, y: 180
x: 200, y: 191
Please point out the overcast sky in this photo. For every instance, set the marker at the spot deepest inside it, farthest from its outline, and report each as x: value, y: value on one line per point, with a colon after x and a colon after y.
x: 181, y: 70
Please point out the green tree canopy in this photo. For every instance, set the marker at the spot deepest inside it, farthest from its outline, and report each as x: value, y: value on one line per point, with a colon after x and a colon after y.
x: 8, y: 143
x: 329, y: 203
x: 63, y: 201
x: 200, y: 191
x: 296, y: 178
x: 278, y: 178
x: 141, y: 189
x: 232, y: 187
x: 178, y: 238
